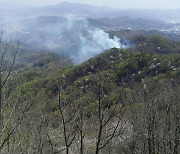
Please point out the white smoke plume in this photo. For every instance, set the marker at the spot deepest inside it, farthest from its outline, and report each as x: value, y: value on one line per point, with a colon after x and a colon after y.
x: 96, y: 42
x: 70, y: 35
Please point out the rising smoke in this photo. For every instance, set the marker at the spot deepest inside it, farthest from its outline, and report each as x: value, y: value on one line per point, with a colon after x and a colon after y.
x: 90, y: 40
x: 71, y: 35
x: 96, y: 42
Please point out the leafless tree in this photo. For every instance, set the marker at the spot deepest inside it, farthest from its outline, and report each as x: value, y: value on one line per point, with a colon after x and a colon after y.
x: 155, y: 119
x: 14, y: 109
x: 109, y: 116
x: 68, y: 118
x: 7, y: 51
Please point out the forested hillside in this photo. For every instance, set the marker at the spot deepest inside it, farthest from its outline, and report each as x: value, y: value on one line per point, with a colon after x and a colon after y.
x: 101, y: 77
x: 117, y: 102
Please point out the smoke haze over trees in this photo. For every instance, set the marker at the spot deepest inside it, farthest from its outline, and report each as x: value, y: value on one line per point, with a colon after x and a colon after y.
x: 84, y: 79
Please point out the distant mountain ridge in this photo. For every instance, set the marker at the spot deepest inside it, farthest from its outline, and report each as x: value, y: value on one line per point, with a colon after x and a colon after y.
x: 66, y: 8
x: 77, y: 9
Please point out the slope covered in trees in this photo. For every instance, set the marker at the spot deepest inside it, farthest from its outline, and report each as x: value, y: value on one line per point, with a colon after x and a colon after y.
x: 149, y: 41
x: 118, y: 101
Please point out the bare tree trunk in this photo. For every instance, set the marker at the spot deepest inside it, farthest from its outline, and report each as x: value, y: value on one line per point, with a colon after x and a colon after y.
x: 100, y: 118
x: 69, y: 136
x: 81, y: 131
x: 0, y: 104
x: 105, y: 118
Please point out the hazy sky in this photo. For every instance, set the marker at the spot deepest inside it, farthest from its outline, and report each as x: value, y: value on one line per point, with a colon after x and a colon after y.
x: 163, y: 4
